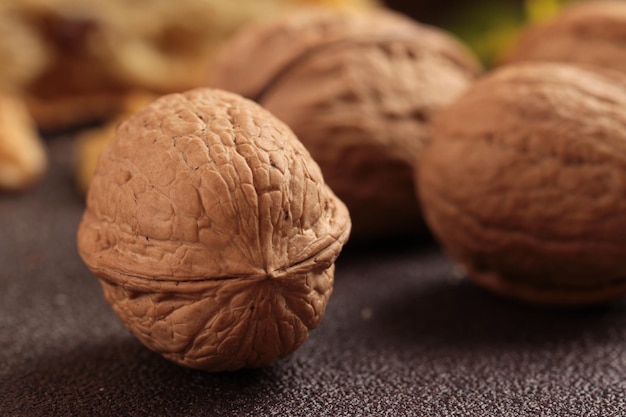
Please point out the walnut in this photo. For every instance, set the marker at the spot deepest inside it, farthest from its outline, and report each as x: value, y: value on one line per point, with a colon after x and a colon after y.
x: 589, y: 33
x: 358, y: 89
x: 23, y: 158
x: 212, y: 231
x: 524, y: 182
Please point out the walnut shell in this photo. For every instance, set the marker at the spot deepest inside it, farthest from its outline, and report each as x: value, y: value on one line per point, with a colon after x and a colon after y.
x: 212, y: 231
x: 358, y: 89
x: 590, y: 33
x: 524, y: 183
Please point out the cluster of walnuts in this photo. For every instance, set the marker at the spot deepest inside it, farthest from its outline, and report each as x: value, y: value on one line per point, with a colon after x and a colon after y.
x: 214, y: 216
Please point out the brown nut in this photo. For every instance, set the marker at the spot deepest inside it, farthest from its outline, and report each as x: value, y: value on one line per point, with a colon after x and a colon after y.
x: 589, y: 32
x: 212, y: 231
x: 358, y: 89
x: 524, y: 181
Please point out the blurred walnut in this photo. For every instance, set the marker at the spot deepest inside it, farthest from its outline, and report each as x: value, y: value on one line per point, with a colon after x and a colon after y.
x: 358, y: 89
x: 524, y: 183
x: 589, y: 32
x: 23, y: 158
x: 212, y: 231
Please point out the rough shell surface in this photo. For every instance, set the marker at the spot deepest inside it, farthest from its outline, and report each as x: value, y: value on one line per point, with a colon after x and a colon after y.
x: 358, y: 89
x: 589, y: 33
x: 212, y: 231
x: 525, y: 179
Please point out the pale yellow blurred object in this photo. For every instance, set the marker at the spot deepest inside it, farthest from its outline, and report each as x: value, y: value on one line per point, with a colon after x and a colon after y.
x: 23, y: 158
x: 91, y: 142
x: 22, y: 48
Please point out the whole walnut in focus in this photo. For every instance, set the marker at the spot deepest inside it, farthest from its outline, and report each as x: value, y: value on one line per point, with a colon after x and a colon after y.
x: 524, y: 182
x: 358, y: 89
x: 212, y: 231
x: 588, y: 32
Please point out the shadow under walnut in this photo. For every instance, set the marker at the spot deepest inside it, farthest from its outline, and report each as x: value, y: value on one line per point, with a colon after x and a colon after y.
x: 212, y: 231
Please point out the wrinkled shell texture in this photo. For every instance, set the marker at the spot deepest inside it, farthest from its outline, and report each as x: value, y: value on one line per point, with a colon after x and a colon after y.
x: 358, y: 89
x: 212, y: 231
x: 525, y: 179
x: 589, y: 32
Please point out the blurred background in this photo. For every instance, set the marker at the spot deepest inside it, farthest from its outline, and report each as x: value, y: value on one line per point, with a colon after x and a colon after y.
x: 73, y: 60
x: 71, y: 65
x: 487, y: 26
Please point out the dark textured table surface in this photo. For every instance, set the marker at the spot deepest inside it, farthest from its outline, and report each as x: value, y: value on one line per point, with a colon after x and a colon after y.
x: 402, y: 336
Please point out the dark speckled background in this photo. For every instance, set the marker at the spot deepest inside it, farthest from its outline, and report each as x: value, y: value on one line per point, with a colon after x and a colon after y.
x: 403, y: 336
